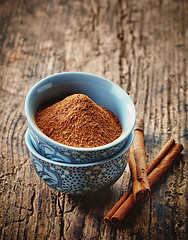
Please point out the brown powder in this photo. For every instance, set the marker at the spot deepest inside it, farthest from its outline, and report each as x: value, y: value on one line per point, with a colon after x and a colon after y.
x: 78, y: 122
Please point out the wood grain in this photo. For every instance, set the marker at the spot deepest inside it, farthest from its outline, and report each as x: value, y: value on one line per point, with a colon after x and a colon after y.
x: 140, y: 45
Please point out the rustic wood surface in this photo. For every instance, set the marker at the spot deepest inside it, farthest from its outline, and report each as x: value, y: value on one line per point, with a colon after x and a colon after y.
x: 140, y: 45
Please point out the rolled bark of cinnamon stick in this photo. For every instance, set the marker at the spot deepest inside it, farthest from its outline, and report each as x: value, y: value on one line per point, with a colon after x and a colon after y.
x: 108, y: 216
x: 160, y: 155
x: 141, y: 187
x: 137, y: 185
x: 153, y: 177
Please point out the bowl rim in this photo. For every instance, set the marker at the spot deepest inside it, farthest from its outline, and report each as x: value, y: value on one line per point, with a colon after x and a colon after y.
x: 103, y: 147
x: 31, y: 148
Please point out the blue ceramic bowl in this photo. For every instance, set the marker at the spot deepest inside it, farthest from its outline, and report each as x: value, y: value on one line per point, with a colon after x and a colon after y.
x: 79, y: 178
x: 102, y: 91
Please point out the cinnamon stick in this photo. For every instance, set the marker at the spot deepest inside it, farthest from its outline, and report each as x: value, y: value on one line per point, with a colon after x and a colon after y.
x: 153, y: 177
x: 165, y: 164
x: 137, y: 161
x: 137, y: 185
x: 149, y: 168
x: 160, y: 155
x: 108, y: 216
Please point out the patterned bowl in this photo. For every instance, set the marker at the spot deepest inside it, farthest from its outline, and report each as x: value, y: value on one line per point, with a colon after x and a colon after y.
x: 79, y: 178
x: 101, y: 91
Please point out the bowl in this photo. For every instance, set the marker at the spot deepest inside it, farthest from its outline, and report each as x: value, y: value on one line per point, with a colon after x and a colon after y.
x: 78, y: 179
x: 102, y: 91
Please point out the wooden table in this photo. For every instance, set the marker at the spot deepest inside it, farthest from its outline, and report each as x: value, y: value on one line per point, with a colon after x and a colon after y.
x: 140, y: 45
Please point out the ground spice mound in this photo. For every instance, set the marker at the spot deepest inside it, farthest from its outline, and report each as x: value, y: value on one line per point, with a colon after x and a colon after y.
x: 78, y: 122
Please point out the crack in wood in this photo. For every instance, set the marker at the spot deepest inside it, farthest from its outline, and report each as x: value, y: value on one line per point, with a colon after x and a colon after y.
x: 14, y: 170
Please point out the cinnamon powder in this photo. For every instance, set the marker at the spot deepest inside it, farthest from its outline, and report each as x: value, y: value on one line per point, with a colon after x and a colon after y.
x: 78, y: 122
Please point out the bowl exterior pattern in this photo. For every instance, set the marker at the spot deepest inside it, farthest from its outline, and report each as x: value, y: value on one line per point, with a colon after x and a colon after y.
x: 66, y: 155
x: 79, y: 180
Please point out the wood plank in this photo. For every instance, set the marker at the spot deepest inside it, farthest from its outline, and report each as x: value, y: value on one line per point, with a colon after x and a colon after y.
x: 140, y: 45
